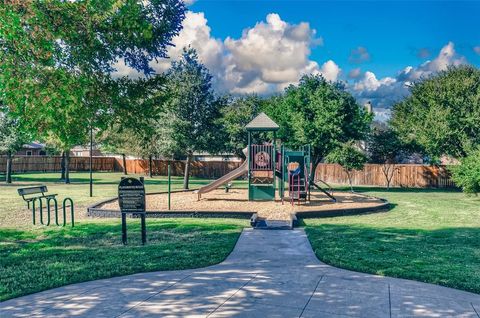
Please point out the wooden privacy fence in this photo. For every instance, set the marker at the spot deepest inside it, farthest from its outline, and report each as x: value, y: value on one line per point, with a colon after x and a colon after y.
x: 405, y: 175
x: 200, y: 169
x: 54, y: 163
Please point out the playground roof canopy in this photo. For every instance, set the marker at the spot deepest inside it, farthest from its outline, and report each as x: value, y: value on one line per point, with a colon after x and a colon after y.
x: 262, y: 122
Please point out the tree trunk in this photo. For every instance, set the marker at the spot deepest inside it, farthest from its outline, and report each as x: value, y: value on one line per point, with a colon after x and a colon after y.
x: 62, y: 164
x: 388, y: 171
x: 8, y: 172
x: 124, y: 159
x: 150, y: 168
x: 67, y: 166
x: 186, y: 176
x: 389, y: 179
x: 349, y: 176
x: 385, y: 174
x: 315, y: 163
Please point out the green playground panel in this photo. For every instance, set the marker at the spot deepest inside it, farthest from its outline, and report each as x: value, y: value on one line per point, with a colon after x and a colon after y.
x: 261, y: 192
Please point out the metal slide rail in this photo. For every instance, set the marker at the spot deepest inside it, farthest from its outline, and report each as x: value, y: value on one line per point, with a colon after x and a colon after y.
x: 328, y: 192
x: 55, y: 210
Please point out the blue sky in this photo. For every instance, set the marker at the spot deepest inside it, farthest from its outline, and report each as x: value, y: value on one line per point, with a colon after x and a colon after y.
x: 377, y: 48
x: 392, y: 32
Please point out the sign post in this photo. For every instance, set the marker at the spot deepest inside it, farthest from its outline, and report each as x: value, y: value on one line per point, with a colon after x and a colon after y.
x: 131, y: 198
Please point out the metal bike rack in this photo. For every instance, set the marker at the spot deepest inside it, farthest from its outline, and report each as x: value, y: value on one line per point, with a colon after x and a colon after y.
x: 48, y: 211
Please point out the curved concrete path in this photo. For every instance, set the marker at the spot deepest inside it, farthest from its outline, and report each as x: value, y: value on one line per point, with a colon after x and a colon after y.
x: 269, y: 274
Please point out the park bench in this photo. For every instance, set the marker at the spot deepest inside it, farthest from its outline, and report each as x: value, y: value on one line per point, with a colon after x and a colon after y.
x: 32, y: 193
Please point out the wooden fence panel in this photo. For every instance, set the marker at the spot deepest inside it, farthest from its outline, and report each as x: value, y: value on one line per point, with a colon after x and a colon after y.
x: 54, y: 163
x: 200, y: 169
x: 407, y: 175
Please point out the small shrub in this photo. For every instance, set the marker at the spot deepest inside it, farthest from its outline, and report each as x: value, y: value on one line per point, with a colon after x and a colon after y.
x: 349, y: 157
x: 467, y: 174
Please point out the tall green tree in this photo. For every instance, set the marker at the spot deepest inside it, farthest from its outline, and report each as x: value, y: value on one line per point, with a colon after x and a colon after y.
x: 442, y: 113
x: 57, y: 57
x: 11, y: 140
x: 134, y: 128
x: 319, y: 113
x: 190, y: 121
x: 238, y: 112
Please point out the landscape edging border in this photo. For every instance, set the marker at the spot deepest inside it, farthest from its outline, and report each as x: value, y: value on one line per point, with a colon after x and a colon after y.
x: 94, y: 211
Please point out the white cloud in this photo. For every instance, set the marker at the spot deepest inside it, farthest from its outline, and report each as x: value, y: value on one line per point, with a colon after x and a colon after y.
x: 123, y: 70
x: 330, y: 71
x: 369, y: 82
x: 476, y: 49
x: 381, y: 92
x: 447, y: 56
x: 384, y: 92
x: 196, y: 33
x: 271, y: 55
x: 266, y: 58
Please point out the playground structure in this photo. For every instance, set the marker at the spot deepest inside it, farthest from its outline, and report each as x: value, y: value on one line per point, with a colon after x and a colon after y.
x: 270, y: 168
x: 276, y: 174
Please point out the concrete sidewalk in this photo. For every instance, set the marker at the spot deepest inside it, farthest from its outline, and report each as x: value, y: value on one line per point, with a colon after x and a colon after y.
x: 269, y: 274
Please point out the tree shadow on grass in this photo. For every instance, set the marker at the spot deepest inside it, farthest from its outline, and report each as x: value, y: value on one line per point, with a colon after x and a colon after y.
x: 449, y: 256
x: 33, y: 261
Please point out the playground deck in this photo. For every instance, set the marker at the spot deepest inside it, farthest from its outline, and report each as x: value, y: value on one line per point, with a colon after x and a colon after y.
x: 236, y: 200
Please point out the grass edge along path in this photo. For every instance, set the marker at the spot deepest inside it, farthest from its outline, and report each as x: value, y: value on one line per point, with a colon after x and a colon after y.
x: 45, y: 258
x: 431, y: 236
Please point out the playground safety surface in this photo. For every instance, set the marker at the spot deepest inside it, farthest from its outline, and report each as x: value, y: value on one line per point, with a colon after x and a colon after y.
x: 236, y: 201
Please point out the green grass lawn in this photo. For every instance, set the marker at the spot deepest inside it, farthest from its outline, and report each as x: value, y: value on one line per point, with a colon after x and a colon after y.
x: 35, y: 258
x: 44, y: 258
x: 14, y: 212
x: 429, y: 235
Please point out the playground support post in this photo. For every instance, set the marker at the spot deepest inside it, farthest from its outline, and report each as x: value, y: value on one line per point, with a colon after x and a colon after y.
x: 150, y: 166
x: 249, y: 152
x: 169, y: 186
x: 91, y: 160
x: 274, y: 163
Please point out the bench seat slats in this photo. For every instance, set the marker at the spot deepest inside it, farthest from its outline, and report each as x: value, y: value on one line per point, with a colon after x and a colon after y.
x: 32, y: 190
x: 33, y: 193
